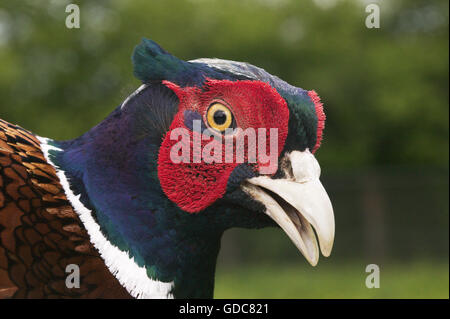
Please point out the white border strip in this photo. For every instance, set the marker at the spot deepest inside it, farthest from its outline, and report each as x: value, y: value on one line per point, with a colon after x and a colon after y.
x: 130, y: 275
x: 139, y: 89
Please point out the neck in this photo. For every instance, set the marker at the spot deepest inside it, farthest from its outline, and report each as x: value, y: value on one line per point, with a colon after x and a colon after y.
x: 153, y: 248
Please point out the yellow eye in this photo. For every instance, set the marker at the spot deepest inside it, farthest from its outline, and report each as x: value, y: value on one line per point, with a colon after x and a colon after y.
x: 219, y: 117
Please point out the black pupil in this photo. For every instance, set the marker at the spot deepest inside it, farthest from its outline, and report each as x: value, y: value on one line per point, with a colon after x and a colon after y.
x: 220, y: 117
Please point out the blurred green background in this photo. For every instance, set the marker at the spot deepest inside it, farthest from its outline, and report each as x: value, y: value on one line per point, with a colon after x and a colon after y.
x: 385, y: 154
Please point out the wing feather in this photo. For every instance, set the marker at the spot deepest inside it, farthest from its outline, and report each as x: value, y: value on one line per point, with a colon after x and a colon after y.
x: 40, y: 233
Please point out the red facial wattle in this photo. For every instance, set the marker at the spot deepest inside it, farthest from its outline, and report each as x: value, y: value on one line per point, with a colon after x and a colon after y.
x: 320, y: 118
x: 254, y: 104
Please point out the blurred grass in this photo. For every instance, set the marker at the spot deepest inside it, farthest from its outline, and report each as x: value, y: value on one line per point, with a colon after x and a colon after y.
x: 418, y: 279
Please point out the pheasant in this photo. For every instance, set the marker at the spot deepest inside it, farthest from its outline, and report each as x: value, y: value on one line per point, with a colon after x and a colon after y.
x: 139, y: 203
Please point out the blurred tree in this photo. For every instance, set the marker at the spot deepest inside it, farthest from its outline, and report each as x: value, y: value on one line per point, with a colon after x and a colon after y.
x: 385, y: 90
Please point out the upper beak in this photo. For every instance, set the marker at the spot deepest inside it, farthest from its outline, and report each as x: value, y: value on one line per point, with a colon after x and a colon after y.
x: 298, y: 202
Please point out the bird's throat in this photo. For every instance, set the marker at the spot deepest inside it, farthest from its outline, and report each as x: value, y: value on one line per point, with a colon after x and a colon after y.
x: 153, y: 248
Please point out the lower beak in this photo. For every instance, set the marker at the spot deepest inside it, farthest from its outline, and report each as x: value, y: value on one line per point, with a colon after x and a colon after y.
x: 298, y: 203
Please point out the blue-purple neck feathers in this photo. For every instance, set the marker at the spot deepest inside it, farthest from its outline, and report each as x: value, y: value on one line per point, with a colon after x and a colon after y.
x: 114, y: 168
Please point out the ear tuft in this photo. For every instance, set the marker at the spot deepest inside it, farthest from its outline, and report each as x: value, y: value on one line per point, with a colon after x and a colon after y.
x: 153, y: 63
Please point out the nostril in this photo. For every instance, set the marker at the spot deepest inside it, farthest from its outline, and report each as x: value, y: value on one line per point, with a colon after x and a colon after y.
x: 286, y: 167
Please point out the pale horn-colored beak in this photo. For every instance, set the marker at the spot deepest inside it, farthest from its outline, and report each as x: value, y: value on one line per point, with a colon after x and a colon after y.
x: 298, y: 202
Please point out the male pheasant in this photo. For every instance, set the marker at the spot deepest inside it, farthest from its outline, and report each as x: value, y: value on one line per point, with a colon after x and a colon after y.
x: 139, y: 203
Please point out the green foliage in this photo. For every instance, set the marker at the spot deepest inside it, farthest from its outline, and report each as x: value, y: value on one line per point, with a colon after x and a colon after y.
x: 385, y: 90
